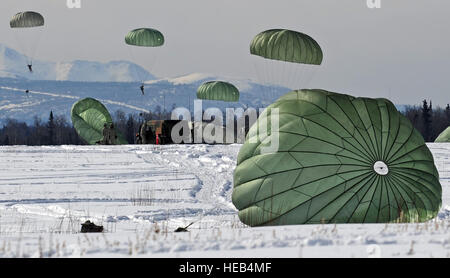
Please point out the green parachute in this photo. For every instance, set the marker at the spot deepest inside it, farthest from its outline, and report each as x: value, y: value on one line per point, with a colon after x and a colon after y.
x: 88, y: 118
x: 27, y: 20
x: 285, y: 58
x: 444, y: 137
x: 218, y: 90
x: 27, y: 28
x: 141, y: 40
x: 145, y: 37
x: 340, y: 159
x: 288, y: 46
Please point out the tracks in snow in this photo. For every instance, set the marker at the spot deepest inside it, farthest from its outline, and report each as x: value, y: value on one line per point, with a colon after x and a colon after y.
x: 211, y: 165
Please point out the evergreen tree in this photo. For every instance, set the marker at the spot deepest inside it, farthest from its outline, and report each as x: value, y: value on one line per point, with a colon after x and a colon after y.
x: 6, y: 141
x: 51, y: 129
x: 427, y: 120
x: 447, y: 113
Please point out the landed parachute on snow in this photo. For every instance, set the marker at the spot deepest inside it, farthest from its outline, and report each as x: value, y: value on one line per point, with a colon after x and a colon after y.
x: 444, y: 137
x: 340, y: 159
x: 88, y: 118
x: 218, y: 90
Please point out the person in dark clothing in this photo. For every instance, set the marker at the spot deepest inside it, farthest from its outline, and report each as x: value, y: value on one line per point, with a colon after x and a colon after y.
x: 142, y: 89
x: 112, y: 135
x: 138, y: 139
x: 27, y: 91
x: 30, y: 67
x: 105, y: 134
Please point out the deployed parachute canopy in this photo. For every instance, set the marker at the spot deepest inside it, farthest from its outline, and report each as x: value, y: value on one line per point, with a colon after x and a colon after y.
x: 218, y: 90
x: 288, y: 46
x: 144, y: 38
x: 27, y: 20
x: 444, y: 137
x: 290, y: 57
x: 340, y: 159
x: 27, y: 27
x: 89, y: 117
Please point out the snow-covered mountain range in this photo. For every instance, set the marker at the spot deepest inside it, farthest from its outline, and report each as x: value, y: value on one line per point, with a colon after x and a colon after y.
x: 14, y: 65
x: 58, y: 96
x: 56, y: 86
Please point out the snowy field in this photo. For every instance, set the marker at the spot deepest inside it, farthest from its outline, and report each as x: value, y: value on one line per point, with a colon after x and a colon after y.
x: 142, y: 193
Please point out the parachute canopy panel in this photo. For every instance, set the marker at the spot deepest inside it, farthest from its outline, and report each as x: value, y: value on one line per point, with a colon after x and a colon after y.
x: 287, y: 45
x: 27, y: 20
x: 444, y: 137
x: 146, y: 37
x: 218, y: 90
x: 340, y: 159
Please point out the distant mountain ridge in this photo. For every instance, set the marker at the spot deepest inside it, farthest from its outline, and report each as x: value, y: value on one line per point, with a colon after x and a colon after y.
x: 59, y: 96
x: 56, y: 86
x: 13, y: 65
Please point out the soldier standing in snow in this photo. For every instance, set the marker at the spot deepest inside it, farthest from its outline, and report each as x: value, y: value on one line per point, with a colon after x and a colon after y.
x: 105, y: 134
x: 112, y: 135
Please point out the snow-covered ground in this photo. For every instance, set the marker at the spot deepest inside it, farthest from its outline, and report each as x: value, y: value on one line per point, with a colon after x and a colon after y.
x: 142, y: 193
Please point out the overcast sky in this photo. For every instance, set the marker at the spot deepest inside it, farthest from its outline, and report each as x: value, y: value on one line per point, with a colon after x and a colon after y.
x: 401, y: 51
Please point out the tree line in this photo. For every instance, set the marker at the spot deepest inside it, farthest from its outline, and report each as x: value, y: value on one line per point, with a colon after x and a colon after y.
x: 58, y: 131
x: 429, y: 121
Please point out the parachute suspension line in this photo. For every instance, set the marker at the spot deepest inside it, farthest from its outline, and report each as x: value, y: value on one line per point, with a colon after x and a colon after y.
x: 148, y: 53
x: 296, y: 79
x: 280, y: 73
x: 289, y: 62
x: 272, y: 78
x: 300, y: 74
x: 287, y: 75
x: 135, y: 71
x: 261, y: 69
x: 40, y: 32
x: 312, y: 74
x: 154, y: 58
x: 261, y: 64
x: 284, y: 75
x: 28, y: 40
x: 257, y: 71
x: 146, y: 40
x: 267, y: 77
x: 22, y: 46
x: 299, y: 82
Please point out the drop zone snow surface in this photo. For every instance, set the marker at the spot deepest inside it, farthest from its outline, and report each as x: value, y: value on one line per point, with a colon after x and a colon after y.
x: 141, y: 194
